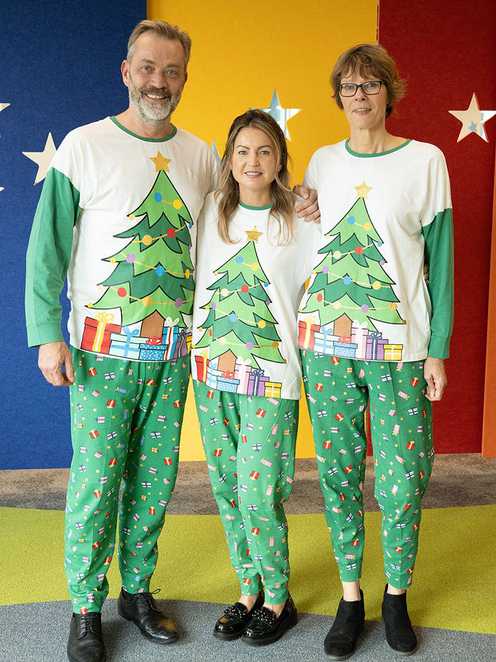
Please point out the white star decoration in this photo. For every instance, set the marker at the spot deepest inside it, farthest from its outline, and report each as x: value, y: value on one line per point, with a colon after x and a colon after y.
x: 43, y: 159
x: 280, y: 114
x: 473, y: 119
x: 3, y: 106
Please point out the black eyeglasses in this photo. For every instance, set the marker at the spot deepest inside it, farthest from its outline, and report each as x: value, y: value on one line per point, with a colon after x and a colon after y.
x: 369, y: 87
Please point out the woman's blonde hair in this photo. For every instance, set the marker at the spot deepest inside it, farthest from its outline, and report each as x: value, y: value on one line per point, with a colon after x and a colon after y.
x: 369, y: 60
x: 228, y: 192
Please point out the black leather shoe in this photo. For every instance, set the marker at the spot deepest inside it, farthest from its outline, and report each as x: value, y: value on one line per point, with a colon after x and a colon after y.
x: 342, y: 638
x: 235, y: 619
x: 141, y: 609
x: 265, y: 627
x: 85, y: 638
x: 399, y: 632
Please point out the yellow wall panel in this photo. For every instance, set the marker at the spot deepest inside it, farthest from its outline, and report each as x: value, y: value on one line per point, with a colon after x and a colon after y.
x: 242, y: 53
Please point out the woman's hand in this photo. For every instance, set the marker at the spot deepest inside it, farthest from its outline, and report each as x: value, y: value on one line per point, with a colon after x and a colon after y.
x: 307, y: 207
x: 435, y: 376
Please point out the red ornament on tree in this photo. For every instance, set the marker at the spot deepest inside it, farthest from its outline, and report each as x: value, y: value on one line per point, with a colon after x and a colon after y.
x: 244, y: 288
x: 121, y: 292
x: 359, y: 250
x: 171, y: 233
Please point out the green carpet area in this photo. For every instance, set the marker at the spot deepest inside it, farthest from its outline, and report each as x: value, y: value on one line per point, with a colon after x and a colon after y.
x: 453, y: 587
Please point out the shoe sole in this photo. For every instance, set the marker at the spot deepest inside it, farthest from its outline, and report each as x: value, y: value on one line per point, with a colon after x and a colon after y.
x: 274, y: 638
x: 73, y: 659
x: 404, y: 653
x: 160, y: 642
x: 227, y: 637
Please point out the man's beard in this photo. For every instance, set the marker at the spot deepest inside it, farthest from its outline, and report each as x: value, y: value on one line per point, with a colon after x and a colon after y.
x: 153, y: 111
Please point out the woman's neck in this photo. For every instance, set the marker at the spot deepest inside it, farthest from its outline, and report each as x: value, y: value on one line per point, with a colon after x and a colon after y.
x: 255, y: 198
x: 373, y: 141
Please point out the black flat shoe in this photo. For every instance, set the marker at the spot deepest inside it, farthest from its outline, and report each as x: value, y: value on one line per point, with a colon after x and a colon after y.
x: 234, y: 620
x: 399, y: 632
x: 142, y: 610
x: 265, y: 627
x: 349, y: 622
x: 85, y: 638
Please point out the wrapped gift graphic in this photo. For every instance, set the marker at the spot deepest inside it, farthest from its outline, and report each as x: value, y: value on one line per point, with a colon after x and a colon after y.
x: 96, y: 334
x: 347, y: 350
x: 126, y: 344
x: 324, y: 340
x: 180, y: 347
x: 306, y: 334
x: 256, y: 382
x: 201, y: 364
x: 242, y: 372
x: 359, y: 334
x: 273, y: 389
x: 392, y: 352
x: 151, y: 352
x: 226, y: 384
x: 371, y: 345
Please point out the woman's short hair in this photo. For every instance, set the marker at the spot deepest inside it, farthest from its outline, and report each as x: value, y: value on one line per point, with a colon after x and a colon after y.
x: 369, y: 60
x: 228, y: 192
x: 162, y: 29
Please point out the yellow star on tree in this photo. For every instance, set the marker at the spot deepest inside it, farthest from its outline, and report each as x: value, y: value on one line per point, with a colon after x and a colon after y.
x: 253, y: 235
x: 362, y: 190
x: 161, y: 163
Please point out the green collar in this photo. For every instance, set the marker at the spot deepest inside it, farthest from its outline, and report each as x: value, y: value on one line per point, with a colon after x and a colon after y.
x: 366, y: 155
x: 149, y: 140
x: 251, y: 208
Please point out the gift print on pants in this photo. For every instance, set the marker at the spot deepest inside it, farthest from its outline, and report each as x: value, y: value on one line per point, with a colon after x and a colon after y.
x: 337, y: 391
x: 249, y: 444
x: 126, y: 423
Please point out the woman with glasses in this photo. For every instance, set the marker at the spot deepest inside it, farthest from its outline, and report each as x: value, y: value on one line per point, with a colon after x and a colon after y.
x: 374, y: 332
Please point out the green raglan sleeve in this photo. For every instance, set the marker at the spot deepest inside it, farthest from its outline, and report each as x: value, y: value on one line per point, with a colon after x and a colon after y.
x: 438, y: 237
x: 48, y: 257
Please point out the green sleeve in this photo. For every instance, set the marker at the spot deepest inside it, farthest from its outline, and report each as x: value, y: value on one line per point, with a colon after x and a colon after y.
x: 48, y: 256
x: 438, y: 237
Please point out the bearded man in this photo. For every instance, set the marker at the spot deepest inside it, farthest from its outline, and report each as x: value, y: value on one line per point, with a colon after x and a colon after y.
x: 117, y: 217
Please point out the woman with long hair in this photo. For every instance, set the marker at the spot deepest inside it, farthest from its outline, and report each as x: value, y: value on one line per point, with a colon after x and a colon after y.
x: 252, y: 261
x: 374, y: 332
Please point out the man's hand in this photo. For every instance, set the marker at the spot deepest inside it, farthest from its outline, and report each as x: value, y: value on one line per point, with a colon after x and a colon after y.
x: 435, y: 376
x: 307, y: 206
x: 52, y: 357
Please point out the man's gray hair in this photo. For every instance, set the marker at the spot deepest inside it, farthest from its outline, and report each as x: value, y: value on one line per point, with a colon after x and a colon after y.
x: 163, y: 29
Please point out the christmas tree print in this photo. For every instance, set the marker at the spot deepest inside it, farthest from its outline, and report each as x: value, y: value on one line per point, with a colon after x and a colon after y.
x: 238, y: 312
x: 350, y: 283
x: 153, y: 277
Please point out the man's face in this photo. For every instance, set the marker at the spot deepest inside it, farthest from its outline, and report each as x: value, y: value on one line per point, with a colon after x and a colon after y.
x: 155, y: 76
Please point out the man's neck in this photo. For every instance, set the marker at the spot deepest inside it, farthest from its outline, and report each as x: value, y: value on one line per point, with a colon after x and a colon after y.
x: 147, y: 129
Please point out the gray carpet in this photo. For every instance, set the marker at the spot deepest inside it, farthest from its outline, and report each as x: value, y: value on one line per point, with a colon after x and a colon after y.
x: 458, y: 480
x: 47, y: 625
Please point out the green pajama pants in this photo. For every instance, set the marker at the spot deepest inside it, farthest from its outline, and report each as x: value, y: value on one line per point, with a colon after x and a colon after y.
x: 249, y: 444
x: 338, y: 390
x: 126, y: 422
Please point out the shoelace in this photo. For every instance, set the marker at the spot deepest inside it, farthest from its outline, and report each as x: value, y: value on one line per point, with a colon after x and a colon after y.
x: 265, y: 616
x: 147, y: 596
x: 89, y: 623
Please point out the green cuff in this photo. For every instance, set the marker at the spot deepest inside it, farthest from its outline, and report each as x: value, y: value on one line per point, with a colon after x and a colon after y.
x: 44, y: 333
x: 439, y: 347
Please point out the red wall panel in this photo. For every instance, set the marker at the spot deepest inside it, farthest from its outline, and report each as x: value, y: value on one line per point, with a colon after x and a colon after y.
x: 445, y: 51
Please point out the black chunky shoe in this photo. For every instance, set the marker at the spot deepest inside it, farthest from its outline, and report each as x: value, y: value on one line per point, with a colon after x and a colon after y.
x: 233, y: 622
x: 399, y: 632
x: 349, y: 622
x: 266, y: 627
x: 85, y: 638
x: 141, y: 609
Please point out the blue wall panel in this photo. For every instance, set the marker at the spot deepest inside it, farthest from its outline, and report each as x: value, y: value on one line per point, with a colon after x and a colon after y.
x: 60, y: 69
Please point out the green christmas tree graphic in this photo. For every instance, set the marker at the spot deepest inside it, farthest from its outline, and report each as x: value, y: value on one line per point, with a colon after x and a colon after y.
x: 238, y: 312
x: 350, y: 281
x: 153, y: 279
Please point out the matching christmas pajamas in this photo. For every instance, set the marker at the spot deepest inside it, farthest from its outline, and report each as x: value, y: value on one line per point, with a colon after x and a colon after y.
x: 249, y: 443
x: 338, y: 390
x: 126, y: 423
